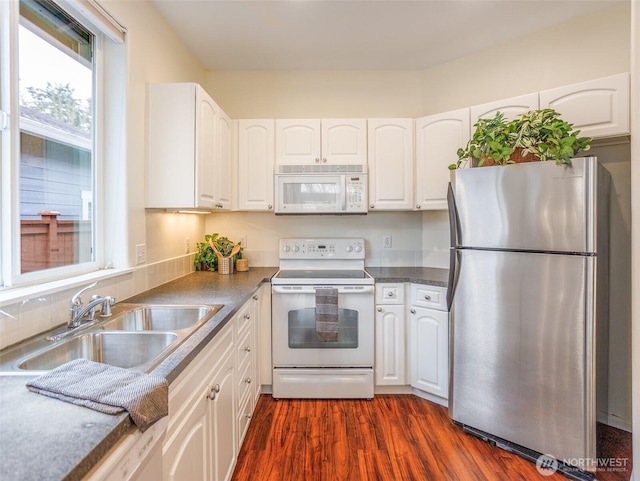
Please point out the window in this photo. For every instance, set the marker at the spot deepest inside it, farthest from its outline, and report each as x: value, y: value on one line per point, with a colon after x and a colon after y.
x: 57, y: 155
x: 51, y: 173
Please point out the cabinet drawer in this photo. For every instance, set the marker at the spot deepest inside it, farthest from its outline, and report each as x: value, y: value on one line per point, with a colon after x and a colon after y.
x: 245, y: 413
x: 243, y: 318
x: 244, y: 350
x: 389, y: 293
x: 245, y: 383
x: 432, y: 297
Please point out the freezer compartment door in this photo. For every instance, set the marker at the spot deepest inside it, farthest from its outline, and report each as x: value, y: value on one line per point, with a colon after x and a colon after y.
x: 522, y: 363
x: 536, y: 206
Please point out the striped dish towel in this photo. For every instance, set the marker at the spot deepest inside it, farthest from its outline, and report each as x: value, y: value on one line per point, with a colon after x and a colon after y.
x: 107, y: 389
x: 327, y: 314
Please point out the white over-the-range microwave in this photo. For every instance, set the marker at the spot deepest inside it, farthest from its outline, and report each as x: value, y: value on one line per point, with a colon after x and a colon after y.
x: 321, y: 189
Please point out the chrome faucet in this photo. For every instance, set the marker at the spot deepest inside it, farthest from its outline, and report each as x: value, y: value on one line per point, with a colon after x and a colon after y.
x: 77, y: 311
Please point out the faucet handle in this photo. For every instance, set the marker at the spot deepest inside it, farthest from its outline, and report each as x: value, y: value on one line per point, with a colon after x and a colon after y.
x: 106, y: 306
x: 76, y: 300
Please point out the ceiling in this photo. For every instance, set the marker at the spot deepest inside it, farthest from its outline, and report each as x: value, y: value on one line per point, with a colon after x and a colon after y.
x: 357, y: 34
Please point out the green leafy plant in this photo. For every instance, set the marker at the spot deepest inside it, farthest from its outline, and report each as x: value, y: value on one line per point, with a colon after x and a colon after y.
x: 492, y: 139
x: 206, y: 258
x: 544, y: 134
x: 539, y: 132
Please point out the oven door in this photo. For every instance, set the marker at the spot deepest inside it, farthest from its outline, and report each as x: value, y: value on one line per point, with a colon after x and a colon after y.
x: 310, y: 194
x: 296, y: 342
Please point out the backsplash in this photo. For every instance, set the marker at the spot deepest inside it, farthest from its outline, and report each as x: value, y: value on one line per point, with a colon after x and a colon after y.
x: 29, y: 317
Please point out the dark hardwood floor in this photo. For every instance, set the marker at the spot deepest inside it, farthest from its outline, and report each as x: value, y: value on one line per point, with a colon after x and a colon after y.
x: 390, y: 438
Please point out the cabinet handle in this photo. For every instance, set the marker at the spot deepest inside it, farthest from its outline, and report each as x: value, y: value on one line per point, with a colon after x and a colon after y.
x: 413, y: 311
x: 211, y: 394
x: 379, y: 309
x: 269, y: 207
x: 372, y: 206
x: 317, y: 159
x: 427, y: 297
x: 248, y: 415
x: 247, y: 316
x: 417, y: 206
x: 324, y: 159
x: 248, y: 380
x: 390, y: 294
x: 216, y: 388
x: 255, y: 297
x: 247, y: 349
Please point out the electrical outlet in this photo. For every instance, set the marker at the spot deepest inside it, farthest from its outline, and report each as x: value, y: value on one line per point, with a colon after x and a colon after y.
x: 141, y: 253
x: 386, y: 241
x: 243, y: 241
x: 187, y: 245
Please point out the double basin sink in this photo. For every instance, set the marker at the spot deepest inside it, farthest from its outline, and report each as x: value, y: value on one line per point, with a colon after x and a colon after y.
x: 136, y: 336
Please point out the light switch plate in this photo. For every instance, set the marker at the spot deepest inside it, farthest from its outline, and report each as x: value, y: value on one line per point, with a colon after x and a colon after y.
x: 141, y: 253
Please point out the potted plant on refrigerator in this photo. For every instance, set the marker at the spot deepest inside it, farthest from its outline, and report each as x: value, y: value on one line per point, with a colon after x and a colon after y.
x: 538, y: 135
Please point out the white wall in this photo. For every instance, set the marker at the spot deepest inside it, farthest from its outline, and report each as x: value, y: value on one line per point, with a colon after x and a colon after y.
x: 584, y: 48
x: 155, y: 54
x: 263, y: 230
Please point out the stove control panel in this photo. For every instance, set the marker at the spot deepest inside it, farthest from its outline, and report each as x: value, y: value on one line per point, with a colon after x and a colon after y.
x: 322, y: 248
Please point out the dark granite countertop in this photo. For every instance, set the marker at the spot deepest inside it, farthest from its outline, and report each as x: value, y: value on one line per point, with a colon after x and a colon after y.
x: 431, y: 276
x: 43, y: 438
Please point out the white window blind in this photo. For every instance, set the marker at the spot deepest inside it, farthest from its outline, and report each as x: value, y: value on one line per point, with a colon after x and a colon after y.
x: 100, y: 18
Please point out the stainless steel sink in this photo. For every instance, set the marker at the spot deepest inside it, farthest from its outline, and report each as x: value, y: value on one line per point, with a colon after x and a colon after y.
x: 136, y: 336
x: 160, y: 318
x: 119, y: 348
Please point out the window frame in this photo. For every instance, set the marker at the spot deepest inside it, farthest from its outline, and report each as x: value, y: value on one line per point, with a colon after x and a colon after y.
x: 11, y: 275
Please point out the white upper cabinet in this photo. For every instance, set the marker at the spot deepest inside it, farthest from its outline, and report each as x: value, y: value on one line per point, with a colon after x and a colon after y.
x: 598, y: 108
x: 438, y: 138
x: 511, y: 108
x: 311, y: 141
x: 189, y: 149
x: 182, y: 147
x: 223, y: 178
x: 391, y: 173
x: 256, y: 155
x: 344, y: 141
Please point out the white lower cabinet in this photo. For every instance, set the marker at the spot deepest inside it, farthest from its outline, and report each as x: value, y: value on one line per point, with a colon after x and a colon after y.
x: 390, y: 350
x: 429, y: 340
x: 211, y: 403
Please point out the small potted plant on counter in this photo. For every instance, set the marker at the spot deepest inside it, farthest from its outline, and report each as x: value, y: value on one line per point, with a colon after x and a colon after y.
x: 537, y: 135
x: 213, y: 249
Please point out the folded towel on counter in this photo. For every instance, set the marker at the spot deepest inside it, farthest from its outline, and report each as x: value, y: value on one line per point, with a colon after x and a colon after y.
x: 327, y: 313
x: 107, y: 389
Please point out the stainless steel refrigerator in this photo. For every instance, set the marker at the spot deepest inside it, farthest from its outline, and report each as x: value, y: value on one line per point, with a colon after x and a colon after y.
x: 529, y: 302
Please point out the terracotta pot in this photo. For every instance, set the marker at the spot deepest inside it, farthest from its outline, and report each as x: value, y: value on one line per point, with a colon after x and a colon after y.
x: 516, y: 157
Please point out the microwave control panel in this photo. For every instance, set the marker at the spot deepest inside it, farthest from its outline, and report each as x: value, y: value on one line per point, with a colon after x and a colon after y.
x: 356, y: 193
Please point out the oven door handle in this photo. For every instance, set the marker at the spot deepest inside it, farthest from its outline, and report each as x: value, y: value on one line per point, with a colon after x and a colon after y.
x: 312, y: 289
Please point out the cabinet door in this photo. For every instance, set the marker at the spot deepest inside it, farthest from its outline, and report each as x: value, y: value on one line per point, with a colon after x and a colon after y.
x: 344, y: 141
x: 438, y: 138
x: 222, y: 179
x: 390, y: 341
x: 429, y: 351
x: 256, y: 156
x: 186, y: 454
x: 511, y: 108
x: 598, y: 108
x: 222, y: 420
x: 297, y: 141
x: 206, y: 154
x: 391, y: 166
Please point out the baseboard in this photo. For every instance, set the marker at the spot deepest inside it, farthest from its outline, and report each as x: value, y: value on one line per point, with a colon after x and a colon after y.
x: 614, y: 421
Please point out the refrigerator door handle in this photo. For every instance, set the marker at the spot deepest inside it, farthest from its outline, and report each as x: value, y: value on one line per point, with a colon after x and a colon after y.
x: 453, y: 237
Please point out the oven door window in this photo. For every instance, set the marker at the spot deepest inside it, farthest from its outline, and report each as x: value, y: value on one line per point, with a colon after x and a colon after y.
x: 304, y: 335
